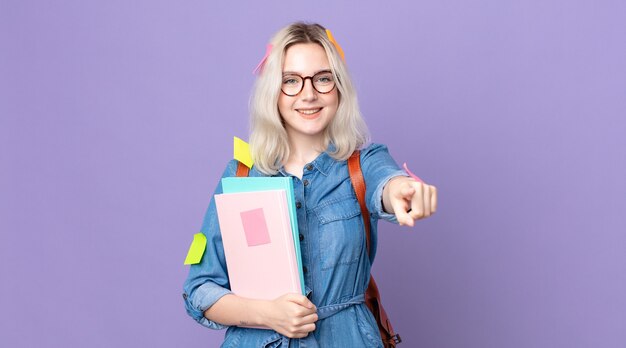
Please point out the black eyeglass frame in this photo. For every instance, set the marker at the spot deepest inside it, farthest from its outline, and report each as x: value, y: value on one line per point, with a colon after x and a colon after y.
x: 304, y: 78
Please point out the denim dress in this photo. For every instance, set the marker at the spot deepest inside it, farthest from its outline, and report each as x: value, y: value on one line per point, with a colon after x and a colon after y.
x: 336, y: 264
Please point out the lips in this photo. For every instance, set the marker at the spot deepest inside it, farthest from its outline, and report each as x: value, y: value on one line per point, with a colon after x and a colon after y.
x: 309, y: 112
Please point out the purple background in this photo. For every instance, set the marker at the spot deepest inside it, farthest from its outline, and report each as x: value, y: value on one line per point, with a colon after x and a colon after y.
x: 117, y: 117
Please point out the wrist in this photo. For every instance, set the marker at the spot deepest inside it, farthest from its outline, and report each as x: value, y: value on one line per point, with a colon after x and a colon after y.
x: 258, y: 312
x: 386, y: 201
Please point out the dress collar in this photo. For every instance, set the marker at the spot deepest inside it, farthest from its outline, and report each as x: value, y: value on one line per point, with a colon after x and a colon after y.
x: 322, y: 162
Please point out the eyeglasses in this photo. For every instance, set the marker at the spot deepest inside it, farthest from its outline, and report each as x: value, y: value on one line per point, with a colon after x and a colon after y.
x: 323, y: 82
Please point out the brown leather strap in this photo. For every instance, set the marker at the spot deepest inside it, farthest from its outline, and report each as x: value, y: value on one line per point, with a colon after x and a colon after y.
x: 372, y: 296
x: 242, y: 170
x: 358, y: 183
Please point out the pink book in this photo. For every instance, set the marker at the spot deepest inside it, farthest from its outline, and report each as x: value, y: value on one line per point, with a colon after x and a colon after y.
x: 258, y: 244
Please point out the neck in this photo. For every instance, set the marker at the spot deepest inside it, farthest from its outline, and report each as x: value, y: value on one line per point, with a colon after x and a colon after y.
x: 302, y: 150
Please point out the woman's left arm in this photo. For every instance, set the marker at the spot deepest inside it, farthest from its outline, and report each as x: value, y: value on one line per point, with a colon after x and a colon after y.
x: 409, y: 199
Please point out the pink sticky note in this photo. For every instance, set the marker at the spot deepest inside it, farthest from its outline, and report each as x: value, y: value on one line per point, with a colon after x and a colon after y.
x: 255, y: 227
x: 411, y: 174
x: 259, y: 67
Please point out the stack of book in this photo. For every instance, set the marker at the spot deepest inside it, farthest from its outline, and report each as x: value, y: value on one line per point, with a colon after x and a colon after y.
x: 257, y: 217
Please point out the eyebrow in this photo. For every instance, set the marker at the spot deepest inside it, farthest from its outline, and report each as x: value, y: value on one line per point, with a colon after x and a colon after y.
x: 297, y: 73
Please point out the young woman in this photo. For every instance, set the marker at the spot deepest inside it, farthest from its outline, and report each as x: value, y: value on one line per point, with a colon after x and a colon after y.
x: 305, y: 124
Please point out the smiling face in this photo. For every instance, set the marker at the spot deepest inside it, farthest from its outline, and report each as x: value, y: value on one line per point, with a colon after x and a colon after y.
x: 307, y: 114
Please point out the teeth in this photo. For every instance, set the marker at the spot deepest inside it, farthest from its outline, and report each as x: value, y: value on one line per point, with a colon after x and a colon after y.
x: 309, y: 112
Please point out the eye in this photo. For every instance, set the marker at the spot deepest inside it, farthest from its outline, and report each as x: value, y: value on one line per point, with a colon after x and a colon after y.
x: 290, y: 80
x: 325, y: 78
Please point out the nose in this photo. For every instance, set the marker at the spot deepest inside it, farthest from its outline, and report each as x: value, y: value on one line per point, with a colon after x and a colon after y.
x: 308, y: 92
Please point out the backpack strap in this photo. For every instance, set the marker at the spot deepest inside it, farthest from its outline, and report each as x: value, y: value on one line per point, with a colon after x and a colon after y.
x: 358, y: 184
x: 242, y: 170
x: 372, y: 296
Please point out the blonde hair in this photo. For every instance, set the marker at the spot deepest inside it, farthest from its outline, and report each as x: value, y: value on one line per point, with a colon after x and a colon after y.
x: 268, y: 137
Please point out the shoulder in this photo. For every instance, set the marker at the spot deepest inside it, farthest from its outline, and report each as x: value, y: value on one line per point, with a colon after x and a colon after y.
x: 373, y: 150
x: 378, y: 164
x: 231, y: 168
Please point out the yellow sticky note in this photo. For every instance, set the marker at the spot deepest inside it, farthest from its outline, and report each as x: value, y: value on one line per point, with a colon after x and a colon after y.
x: 196, y: 250
x: 331, y: 38
x: 242, y: 152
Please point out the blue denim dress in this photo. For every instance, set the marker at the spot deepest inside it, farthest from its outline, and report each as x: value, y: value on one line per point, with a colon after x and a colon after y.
x: 335, y: 261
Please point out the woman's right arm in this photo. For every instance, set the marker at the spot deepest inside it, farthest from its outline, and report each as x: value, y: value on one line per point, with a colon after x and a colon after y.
x: 292, y: 315
x: 210, y: 302
x: 207, y: 281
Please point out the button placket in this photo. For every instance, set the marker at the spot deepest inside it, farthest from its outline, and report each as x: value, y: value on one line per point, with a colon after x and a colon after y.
x: 299, y: 191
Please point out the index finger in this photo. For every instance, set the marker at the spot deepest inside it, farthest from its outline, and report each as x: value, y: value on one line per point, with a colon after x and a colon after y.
x: 399, y: 209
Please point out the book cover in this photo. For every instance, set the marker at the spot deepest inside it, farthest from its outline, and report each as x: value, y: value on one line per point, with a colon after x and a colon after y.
x: 258, y: 243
